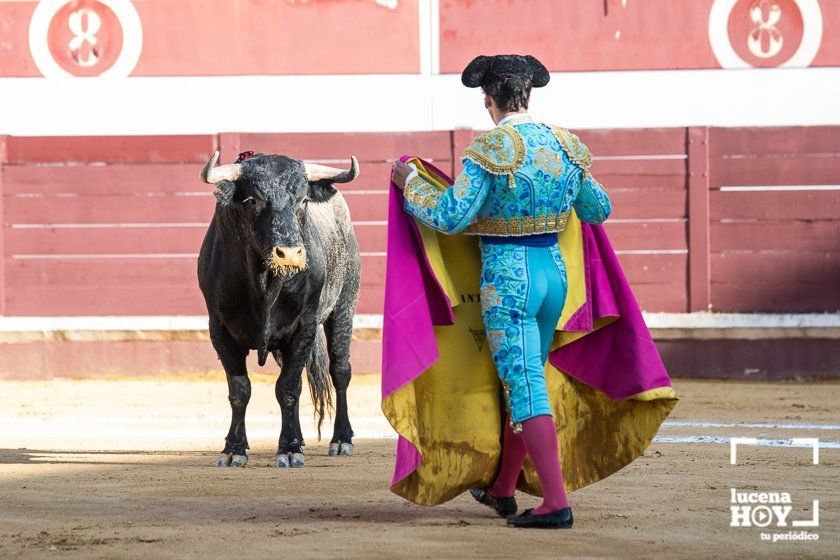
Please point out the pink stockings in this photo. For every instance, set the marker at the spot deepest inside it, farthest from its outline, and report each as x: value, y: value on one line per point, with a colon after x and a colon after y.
x: 539, y: 439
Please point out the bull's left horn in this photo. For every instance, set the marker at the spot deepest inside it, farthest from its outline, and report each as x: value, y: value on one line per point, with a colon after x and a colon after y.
x: 315, y: 172
x: 212, y: 174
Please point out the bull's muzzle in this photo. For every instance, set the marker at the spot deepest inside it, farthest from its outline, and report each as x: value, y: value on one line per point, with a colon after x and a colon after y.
x: 287, y: 260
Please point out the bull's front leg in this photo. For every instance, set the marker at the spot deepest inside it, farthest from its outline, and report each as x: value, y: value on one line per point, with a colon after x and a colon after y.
x: 288, y: 389
x: 239, y: 393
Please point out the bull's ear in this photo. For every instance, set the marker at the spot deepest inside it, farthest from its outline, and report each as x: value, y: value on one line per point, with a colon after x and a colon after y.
x: 321, y: 190
x: 224, y: 192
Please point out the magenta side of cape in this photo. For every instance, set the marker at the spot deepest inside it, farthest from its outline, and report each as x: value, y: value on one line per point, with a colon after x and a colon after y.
x: 620, y: 359
x: 414, y: 304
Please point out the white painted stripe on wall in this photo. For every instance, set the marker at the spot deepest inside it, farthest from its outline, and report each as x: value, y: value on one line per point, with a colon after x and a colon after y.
x: 429, y: 36
x: 374, y: 321
x: 354, y: 103
x: 782, y: 188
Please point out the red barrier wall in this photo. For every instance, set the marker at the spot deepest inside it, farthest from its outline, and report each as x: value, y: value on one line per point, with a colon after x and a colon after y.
x: 732, y: 219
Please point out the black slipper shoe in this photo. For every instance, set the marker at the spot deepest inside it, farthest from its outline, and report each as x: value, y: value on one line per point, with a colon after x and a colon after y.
x: 504, y: 507
x: 560, y: 519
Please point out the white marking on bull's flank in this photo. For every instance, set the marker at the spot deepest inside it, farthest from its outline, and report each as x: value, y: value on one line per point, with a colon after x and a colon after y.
x: 749, y: 425
x: 759, y: 442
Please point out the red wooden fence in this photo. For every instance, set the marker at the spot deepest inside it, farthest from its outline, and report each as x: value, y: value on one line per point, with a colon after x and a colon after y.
x: 727, y: 219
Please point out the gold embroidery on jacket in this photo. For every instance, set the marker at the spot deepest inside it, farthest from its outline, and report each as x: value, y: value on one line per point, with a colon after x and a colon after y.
x: 490, y: 152
x: 516, y: 226
x: 419, y: 192
x: 574, y: 148
x: 548, y: 161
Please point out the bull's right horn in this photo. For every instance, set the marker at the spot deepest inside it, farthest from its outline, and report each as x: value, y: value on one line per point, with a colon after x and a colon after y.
x: 212, y: 174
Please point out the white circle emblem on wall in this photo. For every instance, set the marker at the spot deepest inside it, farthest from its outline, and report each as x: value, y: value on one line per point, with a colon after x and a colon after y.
x: 765, y: 33
x: 70, y: 38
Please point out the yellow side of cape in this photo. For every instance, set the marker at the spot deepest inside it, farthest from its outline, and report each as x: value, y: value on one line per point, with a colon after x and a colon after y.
x: 452, y: 413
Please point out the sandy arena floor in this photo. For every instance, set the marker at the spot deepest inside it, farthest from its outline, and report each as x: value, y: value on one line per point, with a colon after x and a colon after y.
x: 121, y: 469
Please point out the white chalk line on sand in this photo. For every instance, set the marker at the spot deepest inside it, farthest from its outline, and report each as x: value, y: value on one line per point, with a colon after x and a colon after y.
x: 759, y: 442
x: 764, y: 425
x: 136, y: 429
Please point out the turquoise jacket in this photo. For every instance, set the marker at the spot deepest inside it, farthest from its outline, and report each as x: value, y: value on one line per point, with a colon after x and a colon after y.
x: 521, y: 178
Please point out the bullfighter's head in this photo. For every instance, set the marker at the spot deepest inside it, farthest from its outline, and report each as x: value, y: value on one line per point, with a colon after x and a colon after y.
x: 266, y: 195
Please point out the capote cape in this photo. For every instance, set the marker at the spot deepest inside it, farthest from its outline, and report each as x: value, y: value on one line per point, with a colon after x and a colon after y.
x: 608, y: 387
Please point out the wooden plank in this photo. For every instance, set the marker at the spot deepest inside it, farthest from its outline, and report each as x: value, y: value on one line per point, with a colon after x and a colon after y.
x: 789, y: 169
x: 699, y: 295
x: 109, y: 209
x: 628, y: 179
x: 647, y: 235
x: 634, y: 141
x: 654, y: 268
x: 141, y: 179
x: 657, y: 172
x: 366, y: 146
x: 774, y: 205
x: 775, y: 235
x: 738, y: 297
x: 667, y: 298
x: 774, y: 268
x: 64, y: 150
x: 110, y: 240
x: 638, y: 204
x: 766, y: 140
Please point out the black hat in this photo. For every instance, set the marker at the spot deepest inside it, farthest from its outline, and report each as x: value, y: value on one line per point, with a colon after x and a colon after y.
x: 484, y: 68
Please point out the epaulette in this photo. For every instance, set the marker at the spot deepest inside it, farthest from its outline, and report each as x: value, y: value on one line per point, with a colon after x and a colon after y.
x: 500, y: 151
x: 574, y: 148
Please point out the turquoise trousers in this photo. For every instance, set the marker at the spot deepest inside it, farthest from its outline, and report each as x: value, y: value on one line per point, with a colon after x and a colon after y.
x: 523, y: 290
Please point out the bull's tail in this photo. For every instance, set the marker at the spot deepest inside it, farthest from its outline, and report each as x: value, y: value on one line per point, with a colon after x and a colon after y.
x: 317, y: 372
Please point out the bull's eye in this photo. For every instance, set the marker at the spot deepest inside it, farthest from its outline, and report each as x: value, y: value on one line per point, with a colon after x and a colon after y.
x: 250, y: 200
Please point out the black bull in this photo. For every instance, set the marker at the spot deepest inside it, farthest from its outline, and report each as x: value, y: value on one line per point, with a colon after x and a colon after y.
x: 280, y: 271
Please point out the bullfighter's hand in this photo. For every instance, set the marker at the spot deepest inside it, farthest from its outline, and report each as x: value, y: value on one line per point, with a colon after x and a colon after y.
x: 400, y: 173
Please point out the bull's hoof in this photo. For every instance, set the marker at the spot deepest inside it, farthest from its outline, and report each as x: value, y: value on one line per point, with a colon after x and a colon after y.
x: 283, y: 460
x: 231, y: 460
x: 337, y: 449
x: 286, y: 460
x: 297, y: 460
x: 238, y: 460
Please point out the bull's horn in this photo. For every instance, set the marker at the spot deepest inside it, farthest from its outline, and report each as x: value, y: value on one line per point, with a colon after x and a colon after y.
x: 315, y: 172
x: 212, y: 174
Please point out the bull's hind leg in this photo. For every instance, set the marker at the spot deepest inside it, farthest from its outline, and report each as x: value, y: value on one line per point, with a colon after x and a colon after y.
x: 339, y: 331
x: 239, y: 393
